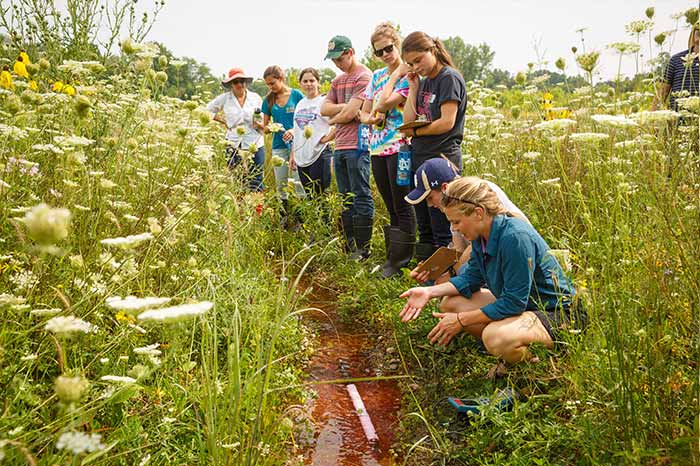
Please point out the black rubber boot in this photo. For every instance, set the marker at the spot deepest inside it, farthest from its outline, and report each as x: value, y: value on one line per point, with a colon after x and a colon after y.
x: 362, y: 229
x: 424, y: 251
x: 387, y: 240
x: 348, y: 233
x: 401, y: 247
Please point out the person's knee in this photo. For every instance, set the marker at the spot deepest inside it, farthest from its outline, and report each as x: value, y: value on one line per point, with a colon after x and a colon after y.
x: 496, y: 340
x: 448, y: 305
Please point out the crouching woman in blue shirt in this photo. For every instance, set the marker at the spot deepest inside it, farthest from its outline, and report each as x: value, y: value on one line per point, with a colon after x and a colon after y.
x: 511, y: 293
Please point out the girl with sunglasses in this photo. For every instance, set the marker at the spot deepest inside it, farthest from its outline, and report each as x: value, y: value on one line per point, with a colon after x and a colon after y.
x: 236, y: 109
x: 511, y: 293
x: 383, y: 109
x: 438, y: 95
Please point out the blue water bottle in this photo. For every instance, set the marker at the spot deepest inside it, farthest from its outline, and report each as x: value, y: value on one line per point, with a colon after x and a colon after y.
x: 403, y: 165
x: 363, y: 138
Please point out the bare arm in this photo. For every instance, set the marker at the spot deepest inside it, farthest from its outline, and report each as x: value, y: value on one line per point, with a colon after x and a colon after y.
x: 394, y: 100
x: 329, y: 109
x: 328, y: 137
x: 409, y: 112
x: 366, y: 113
x: 448, y: 116
x: 662, y: 92
x: 349, y: 112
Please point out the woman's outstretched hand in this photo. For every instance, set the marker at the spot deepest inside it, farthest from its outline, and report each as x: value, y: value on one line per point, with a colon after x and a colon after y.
x: 418, y: 297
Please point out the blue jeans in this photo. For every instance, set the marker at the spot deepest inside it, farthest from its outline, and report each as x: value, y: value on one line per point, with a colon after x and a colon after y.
x: 255, y: 175
x: 352, y: 176
x: 316, y: 177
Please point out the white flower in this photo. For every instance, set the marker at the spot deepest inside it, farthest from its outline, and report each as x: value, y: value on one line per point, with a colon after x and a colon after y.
x: 551, y: 181
x: 275, y: 127
x: 588, y: 137
x: 150, y: 350
x: 174, y: 313
x: 47, y: 225
x: 48, y: 148
x: 560, y: 124
x: 128, y: 242
x: 79, y: 442
x: 615, y: 121
x: 692, y: 104
x: 72, y: 141
x: 68, y: 325
x: 117, y: 379
x: 132, y: 303
x: 655, y: 117
x: 531, y: 155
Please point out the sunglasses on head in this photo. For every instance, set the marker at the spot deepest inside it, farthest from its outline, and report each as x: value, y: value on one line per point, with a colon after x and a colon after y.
x: 382, y: 51
x: 446, y: 197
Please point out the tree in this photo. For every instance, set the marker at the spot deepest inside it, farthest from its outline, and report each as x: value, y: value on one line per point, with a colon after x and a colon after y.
x: 472, y: 61
x: 370, y: 60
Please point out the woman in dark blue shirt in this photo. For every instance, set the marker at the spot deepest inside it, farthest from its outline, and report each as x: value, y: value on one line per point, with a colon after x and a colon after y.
x: 511, y: 293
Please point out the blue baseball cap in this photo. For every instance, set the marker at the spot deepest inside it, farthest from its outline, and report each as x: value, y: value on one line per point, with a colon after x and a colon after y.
x: 430, y: 175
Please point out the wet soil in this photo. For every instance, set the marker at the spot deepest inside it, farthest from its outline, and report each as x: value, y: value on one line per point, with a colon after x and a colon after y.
x: 347, y: 350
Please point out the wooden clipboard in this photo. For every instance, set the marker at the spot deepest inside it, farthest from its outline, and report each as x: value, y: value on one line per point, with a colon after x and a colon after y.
x: 439, y: 262
x: 413, y: 124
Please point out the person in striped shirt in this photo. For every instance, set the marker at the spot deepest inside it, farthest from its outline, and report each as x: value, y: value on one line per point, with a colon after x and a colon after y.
x: 681, y: 74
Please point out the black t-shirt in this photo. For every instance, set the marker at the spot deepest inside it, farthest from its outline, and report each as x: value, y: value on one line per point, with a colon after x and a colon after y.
x: 446, y: 86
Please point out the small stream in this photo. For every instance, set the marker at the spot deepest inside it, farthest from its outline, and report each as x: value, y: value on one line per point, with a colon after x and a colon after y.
x: 345, y: 351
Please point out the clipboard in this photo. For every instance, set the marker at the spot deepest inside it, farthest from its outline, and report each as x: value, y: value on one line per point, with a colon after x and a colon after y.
x: 439, y: 262
x: 413, y: 124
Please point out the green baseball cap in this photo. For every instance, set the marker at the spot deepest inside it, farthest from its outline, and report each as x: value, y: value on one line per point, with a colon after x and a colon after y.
x: 337, y: 46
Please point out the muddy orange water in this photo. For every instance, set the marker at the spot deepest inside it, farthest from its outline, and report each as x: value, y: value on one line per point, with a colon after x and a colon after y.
x: 345, y: 351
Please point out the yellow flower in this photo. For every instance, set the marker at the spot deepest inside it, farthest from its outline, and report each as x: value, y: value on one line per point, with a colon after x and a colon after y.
x: 124, y: 317
x: 548, y: 96
x: 25, y: 57
x: 68, y: 90
x: 33, y: 86
x: 6, y: 79
x: 57, y: 86
x: 20, y: 69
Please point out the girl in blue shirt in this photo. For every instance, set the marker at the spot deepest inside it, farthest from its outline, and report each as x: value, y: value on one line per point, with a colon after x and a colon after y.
x: 279, y: 105
x: 511, y: 293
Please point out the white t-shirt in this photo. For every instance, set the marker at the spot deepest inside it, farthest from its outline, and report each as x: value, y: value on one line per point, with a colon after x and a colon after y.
x: 237, y: 115
x: 308, y: 114
x: 460, y: 243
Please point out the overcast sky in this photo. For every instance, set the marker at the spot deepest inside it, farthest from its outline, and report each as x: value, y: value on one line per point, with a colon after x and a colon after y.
x: 255, y: 34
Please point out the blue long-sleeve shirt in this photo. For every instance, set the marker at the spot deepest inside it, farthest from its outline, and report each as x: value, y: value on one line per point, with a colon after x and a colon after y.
x: 516, y: 266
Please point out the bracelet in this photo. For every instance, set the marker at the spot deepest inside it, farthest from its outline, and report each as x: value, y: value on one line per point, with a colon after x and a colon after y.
x: 460, y: 322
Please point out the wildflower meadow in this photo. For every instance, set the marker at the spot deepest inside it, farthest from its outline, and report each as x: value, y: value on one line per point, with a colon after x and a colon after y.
x: 154, y: 312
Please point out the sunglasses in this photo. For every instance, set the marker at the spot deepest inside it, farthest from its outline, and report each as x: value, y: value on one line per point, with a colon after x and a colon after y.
x: 238, y: 81
x: 446, y: 198
x: 381, y: 52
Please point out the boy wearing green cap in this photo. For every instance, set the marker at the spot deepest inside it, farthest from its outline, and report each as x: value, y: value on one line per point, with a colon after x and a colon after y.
x: 351, y: 156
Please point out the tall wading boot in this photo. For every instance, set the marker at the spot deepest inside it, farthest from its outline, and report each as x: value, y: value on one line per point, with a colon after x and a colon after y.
x: 387, y: 241
x: 348, y: 233
x: 401, y: 247
x: 362, y: 229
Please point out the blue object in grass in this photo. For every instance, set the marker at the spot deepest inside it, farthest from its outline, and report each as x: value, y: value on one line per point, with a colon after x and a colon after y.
x: 502, y: 401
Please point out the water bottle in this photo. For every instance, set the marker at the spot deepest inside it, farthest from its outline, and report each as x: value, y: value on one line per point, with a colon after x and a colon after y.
x: 403, y: 166
x: 363, y: 138
x: 257, y: 115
